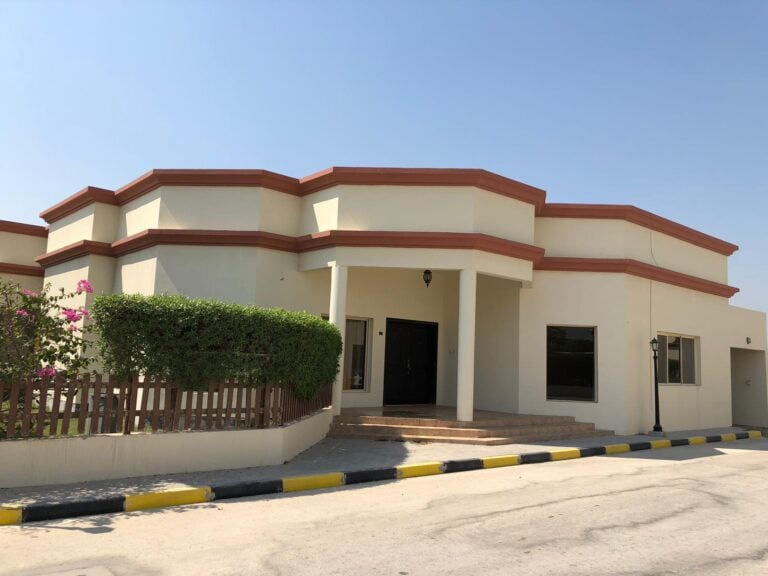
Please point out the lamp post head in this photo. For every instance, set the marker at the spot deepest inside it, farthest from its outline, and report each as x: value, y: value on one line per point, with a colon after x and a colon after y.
x: 654, y: 345
x: 427, y: 277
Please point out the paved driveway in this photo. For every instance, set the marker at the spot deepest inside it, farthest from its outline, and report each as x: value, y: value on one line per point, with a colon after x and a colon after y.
x: 687, y: 510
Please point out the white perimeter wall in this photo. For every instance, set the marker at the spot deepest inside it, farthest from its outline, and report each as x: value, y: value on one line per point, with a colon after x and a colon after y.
x: 49, y: 461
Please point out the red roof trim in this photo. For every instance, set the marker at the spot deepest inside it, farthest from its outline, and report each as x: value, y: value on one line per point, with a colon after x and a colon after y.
x: 79, y: 200
x: 424, y: 177
x: 635, y: 268
x: 73, y: 251
x: 642, y: 218
x: 154, y: 237
x: 23, y: 229
x: 446, y: 240
x: 164, y: 177
x: 21, y: 269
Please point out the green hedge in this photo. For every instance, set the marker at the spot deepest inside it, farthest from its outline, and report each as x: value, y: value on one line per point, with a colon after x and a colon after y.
x: 196, y: 342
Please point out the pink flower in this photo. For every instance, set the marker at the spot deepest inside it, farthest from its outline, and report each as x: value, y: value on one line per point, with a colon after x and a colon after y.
x: 22, y: 312
x: 28, y: 292
x: 84, y: 313
x: 72, y: 328
x: 46, y: 372
x: 70, y: 314
x: 84, y: 286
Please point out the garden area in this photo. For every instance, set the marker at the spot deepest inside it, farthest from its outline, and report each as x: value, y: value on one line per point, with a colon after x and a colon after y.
x: 131, y: 363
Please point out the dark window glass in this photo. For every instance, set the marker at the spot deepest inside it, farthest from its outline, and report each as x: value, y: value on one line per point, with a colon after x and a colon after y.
x: 354, y: 354
x: 673, y: 360
x: 354, y: 369
x: 689, y: 362
x: 662, y: 358
x: 570, y: 363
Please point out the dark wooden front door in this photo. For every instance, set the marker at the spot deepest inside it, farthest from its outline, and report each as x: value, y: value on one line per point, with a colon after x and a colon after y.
x: 410, y: 362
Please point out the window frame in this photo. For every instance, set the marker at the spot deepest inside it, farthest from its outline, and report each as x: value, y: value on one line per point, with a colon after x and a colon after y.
x: 368, y: 353
x: 595, y: 387
x: 664, y: 374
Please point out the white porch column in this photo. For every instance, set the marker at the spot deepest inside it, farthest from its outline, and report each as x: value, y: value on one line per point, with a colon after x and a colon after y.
x: 465, y: 387
x: 337, y: 314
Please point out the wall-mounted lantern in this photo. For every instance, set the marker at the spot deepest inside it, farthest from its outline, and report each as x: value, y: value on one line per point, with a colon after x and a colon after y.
x: 427, y: 277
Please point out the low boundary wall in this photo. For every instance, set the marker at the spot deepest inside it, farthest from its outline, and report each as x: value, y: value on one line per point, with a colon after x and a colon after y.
x: 43, y: 462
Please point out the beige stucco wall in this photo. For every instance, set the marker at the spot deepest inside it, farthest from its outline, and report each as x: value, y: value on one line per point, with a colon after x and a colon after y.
x: 420, y: 208
x: 106, y: 221
x: 717, y: 327
x: 320, y: 211
x: 72, y: 228
x: 240, y: 274
x: 26, y: 282
x: 604, y: 238
x: 139, y: 215
x: 44, y: 462
x: 497, y: 344
x: 575, y: 299
x: 20, y: 248
x: 229, y: 208
x: 66, y: 275
x: 748, y: 387
x: 135, y: 272
x: 628, y: 312
x: 419, y: 259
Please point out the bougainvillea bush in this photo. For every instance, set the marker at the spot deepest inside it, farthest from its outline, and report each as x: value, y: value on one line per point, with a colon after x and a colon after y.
x: 196, y: 342
x: 39, y: 335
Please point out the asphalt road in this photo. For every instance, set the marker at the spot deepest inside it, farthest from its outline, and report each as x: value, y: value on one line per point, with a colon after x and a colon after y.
x: 689, y: 510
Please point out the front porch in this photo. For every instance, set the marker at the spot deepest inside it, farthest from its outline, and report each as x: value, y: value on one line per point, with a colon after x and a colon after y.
x: 431, y: 423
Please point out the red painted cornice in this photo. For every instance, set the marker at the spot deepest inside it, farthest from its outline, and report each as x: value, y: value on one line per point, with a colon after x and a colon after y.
x: 446, y: 240
x: 154, y: 237
x: 641, y: 218
x: 382, y: 239
x: 385, y: 176
x: 21, y: 269
x: 162, y: 177
x: 76, y: 250
x: 635, y: 268
x: 24, y: 229
x: 424, y: 177
x: 81, y: 199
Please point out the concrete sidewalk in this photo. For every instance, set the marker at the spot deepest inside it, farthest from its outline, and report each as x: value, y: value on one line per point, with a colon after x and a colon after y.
x: 330, y: 455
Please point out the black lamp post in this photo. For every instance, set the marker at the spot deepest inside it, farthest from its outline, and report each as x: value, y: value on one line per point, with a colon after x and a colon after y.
x: 427, y: 277
x: 655, y: 348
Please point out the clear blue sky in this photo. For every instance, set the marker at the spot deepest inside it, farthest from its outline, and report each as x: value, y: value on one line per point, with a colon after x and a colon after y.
x: 654, y: 103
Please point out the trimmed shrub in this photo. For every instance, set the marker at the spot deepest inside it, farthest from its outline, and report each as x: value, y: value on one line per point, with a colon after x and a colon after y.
x: 196, y: 342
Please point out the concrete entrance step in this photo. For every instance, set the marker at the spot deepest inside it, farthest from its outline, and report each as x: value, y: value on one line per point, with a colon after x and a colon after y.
x: 340, y: 429
x: 487, y: 441
x: 435, y: 424
x: 505, y: 422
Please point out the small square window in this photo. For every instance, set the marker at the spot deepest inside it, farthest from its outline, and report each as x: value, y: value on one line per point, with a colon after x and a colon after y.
x: 677, y: 359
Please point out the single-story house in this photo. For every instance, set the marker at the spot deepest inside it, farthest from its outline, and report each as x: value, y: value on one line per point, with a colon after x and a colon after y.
x: 458, y: 287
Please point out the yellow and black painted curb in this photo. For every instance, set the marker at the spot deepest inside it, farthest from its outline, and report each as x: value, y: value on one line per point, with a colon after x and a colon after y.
x: 150, y: 500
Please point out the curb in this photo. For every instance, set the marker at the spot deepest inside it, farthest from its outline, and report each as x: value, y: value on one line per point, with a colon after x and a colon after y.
x: 14, y: 515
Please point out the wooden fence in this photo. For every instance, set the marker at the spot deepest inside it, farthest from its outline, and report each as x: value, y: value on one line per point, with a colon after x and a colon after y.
x: 93, y: 404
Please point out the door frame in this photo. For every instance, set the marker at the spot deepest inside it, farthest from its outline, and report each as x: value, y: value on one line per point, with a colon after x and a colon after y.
x: 432, y: 384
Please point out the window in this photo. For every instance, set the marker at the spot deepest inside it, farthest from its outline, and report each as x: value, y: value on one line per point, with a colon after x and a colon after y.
x: 355, y: 362
x: 355, y: 355
x: 570, y: 363
x: 677, y: 359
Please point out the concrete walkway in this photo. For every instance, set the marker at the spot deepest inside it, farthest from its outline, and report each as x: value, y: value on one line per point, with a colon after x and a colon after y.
x: 330, y: 455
